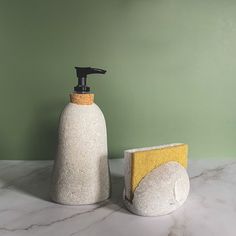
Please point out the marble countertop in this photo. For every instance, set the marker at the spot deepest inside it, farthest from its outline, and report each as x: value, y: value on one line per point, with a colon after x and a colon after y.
x: 25, y: 208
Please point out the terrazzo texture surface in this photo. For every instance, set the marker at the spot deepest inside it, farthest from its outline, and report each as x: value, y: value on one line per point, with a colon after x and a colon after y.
x: 81, y: 172
x: 161, y: 191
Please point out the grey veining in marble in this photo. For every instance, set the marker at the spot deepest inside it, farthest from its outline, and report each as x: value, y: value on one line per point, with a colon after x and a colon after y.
x: 25, y: 208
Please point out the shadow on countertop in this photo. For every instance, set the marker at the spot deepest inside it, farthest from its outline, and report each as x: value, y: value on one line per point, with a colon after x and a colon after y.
x: 34, y: 178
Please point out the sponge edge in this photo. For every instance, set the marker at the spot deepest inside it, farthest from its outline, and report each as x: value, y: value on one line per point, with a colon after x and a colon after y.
x: 161, y: 191
x: 139, y: 162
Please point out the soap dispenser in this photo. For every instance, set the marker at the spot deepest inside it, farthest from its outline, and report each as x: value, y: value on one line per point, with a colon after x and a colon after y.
x: 81, y: 171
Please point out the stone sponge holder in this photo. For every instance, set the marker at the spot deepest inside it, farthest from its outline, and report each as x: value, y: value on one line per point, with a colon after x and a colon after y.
x: 162, y: 190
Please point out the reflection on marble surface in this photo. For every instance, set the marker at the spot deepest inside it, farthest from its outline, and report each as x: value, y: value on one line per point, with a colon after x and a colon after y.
x: 25, y: 208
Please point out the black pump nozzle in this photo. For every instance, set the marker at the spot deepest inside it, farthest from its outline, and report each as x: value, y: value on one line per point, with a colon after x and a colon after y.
x: 82, y: 73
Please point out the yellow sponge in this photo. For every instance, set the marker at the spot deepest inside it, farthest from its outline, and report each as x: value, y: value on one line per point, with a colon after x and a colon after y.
x: 142, y: 161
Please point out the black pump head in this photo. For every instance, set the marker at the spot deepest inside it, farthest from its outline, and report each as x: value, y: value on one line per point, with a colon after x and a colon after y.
x: 82, y: 73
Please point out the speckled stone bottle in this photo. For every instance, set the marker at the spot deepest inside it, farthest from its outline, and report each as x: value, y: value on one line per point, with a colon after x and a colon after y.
x: 81, y: 171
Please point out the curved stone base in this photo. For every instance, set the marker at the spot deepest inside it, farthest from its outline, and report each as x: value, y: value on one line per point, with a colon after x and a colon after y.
x: 161, y: 191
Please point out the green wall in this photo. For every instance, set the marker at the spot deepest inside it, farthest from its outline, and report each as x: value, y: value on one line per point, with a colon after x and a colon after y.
x: 171, y: 72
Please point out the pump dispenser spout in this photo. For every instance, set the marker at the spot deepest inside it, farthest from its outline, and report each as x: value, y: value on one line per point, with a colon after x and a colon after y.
x: 82, y: 73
